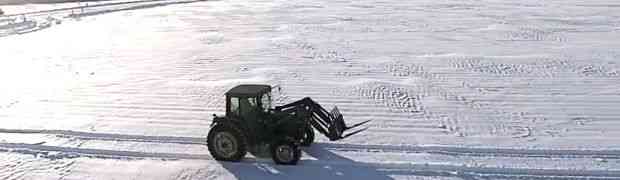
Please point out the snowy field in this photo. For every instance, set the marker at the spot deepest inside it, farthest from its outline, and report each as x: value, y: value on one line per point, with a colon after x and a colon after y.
x: 455, y: 89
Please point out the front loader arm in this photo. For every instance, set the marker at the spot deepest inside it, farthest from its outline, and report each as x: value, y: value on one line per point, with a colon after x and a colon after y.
x: 331, y: 124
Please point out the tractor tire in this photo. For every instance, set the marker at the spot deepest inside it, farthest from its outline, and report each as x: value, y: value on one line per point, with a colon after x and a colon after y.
x: 226, y: 143
x: 285, y: 153
x: 308, y: 138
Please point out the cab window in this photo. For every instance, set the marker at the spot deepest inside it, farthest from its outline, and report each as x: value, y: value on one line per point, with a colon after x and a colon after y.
x: 266, y: 101
x: 234, y: 106
x: 247, y: 105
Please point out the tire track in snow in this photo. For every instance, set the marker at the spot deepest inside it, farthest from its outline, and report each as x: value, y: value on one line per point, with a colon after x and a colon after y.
x: 491, y: 172
x: 71, y: 152
x: 468, y: 151
x: 110, y: 136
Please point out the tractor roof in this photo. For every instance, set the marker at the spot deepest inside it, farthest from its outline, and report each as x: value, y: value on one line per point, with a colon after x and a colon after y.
x: 248, y: 90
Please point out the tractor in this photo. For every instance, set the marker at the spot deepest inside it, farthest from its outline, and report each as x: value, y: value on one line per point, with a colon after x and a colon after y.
x: 252, y: 125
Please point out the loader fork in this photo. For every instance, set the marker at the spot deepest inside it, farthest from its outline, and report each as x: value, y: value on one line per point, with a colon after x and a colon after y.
x: 331, y: 124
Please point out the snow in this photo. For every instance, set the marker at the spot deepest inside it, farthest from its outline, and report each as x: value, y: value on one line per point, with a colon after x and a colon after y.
x: 455, y: 89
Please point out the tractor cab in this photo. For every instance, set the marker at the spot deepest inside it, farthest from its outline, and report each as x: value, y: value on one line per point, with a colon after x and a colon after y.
x: 248, y: 101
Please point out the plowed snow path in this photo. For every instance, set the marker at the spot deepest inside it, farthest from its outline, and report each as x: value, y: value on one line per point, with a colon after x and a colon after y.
x: 445, y: 150
x: 455, y: 89
x: 434, y: 165
x: 437, y: 161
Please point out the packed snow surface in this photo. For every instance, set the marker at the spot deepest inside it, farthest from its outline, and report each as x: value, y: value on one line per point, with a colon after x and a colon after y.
x: 455, y: 89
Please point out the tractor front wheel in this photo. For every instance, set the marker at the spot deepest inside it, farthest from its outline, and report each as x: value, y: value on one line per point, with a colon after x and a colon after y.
x: 285, y: 152
x: 226, y: 143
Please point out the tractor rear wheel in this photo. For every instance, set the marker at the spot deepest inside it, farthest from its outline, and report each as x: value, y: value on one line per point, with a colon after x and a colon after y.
x: 285, y: 152
x: 308, y: 138
x: 226, y: 143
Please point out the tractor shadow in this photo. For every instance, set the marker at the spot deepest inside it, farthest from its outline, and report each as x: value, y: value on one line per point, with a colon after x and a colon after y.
x: 328, y: 165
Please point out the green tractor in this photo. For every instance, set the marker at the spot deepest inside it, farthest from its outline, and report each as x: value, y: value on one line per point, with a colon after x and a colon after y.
x: 252, y: 125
